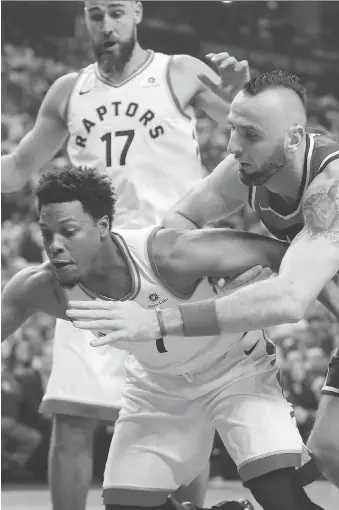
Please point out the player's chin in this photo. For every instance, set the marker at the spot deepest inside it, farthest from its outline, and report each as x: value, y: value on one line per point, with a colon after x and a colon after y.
x: 254, y: 179
x: 67, y: 278
x: 247, y: 179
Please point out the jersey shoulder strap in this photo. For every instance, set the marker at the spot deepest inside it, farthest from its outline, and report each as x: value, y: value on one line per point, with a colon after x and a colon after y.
x: 326, y: 149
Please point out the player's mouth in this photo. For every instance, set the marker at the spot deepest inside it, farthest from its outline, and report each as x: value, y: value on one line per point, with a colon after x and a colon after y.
x: 60, y: 264
x: 244, y: 166
x: 109, y: 44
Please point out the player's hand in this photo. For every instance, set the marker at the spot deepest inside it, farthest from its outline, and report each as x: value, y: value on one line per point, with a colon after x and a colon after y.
x: 120, y: 322
x: 253, y: 275
x: 232, y: 72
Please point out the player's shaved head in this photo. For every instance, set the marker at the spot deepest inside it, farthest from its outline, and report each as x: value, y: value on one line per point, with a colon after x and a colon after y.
x: 277, y: 98
x: 269, y: 119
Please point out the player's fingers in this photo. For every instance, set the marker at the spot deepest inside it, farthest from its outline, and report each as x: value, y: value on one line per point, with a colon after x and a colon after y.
x: 90, y: 305
x: 79, y: 314
x: 263, y: 275
x: 218, y: 57
x: 242, y: 64
x: 267, y: 273
x: 96, y: 324
x: 229, y: 62
x: 111, y: 338
x: 247, y: 277
x: 250, y: 273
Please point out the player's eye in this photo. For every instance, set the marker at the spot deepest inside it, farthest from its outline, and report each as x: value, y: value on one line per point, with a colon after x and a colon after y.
x: 69, y: 233
x: 116, y: 14
x: 250, y: 135
x: 96, y: 16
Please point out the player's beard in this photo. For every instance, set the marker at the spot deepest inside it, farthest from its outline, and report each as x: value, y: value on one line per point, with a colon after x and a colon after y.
x: 274, y: 164
x: 115, y: 60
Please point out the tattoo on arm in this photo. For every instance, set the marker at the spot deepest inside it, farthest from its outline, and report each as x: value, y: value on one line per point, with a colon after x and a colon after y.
x: 321, y: 213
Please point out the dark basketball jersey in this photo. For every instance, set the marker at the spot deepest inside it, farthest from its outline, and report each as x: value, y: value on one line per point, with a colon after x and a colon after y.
x: 275, y: 214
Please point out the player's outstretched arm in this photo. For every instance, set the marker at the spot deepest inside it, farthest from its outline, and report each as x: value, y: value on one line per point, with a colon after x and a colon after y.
x: 216, y: 197
x: 206, y: 90
x: 194, y: 254
x: 311, y: 261
x: 43, y: 141
x: 18, y: 300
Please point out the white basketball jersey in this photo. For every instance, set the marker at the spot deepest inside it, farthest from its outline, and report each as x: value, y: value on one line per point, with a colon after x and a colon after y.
x: 137, y: 133
x: 183, y: 354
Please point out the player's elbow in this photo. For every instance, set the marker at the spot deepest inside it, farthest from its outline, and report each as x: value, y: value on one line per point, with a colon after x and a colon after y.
x: 13, y: 173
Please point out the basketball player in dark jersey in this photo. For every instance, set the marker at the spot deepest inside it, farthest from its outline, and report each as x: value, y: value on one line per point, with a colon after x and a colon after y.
x: 290, y: 176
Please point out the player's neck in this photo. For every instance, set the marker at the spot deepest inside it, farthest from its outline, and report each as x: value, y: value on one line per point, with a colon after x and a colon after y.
x: 116, y: 76
x: 110, y: 276
x: 287, y: 182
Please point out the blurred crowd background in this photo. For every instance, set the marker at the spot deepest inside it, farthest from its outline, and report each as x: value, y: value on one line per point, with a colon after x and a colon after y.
x: 43, y: 40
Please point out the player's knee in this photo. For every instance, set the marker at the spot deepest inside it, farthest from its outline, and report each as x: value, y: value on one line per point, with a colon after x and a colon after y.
x: 280, y: 490
x: 73, y: 434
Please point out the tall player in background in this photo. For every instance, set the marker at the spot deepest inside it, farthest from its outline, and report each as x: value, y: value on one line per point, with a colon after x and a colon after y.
x: 290, y: 177
x: 129, y: 114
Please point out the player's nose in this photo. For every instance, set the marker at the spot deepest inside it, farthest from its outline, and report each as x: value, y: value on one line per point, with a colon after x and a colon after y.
x: 56, y: 245
x: 234, y: 146
x: 107, y: 25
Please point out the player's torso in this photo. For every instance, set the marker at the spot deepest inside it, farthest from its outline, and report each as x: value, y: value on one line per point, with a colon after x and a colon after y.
x: 182, y: 355
x: 282, y: 222
x: 137, y: 134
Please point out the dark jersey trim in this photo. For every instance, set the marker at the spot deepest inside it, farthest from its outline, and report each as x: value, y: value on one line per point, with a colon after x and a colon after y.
x: 328, y: 161
x: 171, y: 89
x: 250, y: 196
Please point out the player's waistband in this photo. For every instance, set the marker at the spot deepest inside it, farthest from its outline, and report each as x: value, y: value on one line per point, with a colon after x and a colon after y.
x: 202, y: 363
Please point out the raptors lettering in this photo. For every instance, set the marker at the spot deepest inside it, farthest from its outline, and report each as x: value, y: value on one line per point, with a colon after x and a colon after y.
x: 116, y: 109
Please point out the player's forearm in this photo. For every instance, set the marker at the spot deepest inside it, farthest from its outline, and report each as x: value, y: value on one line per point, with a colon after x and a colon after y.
x: 269, y: 304
x: 13, y: 177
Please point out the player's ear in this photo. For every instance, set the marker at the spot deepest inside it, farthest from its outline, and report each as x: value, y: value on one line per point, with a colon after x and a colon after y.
x: 103, y: 224
x: 296, y: 135
x: 138, y: 12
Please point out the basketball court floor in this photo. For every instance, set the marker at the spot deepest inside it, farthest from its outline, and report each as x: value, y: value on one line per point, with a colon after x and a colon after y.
x: 36, y: 498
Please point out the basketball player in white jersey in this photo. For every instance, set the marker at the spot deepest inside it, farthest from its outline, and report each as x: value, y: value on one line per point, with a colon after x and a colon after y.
x: 131, y: 115
x: 179, y: 390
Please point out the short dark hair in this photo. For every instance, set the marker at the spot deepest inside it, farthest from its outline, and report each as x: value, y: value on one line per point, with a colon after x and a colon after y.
x: 70, y: 183
x: 276, y: 78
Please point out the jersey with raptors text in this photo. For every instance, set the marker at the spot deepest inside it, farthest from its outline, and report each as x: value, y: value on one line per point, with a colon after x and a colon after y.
x: 321, y: 149
x: 138, y: 134
x: 176, y: 355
